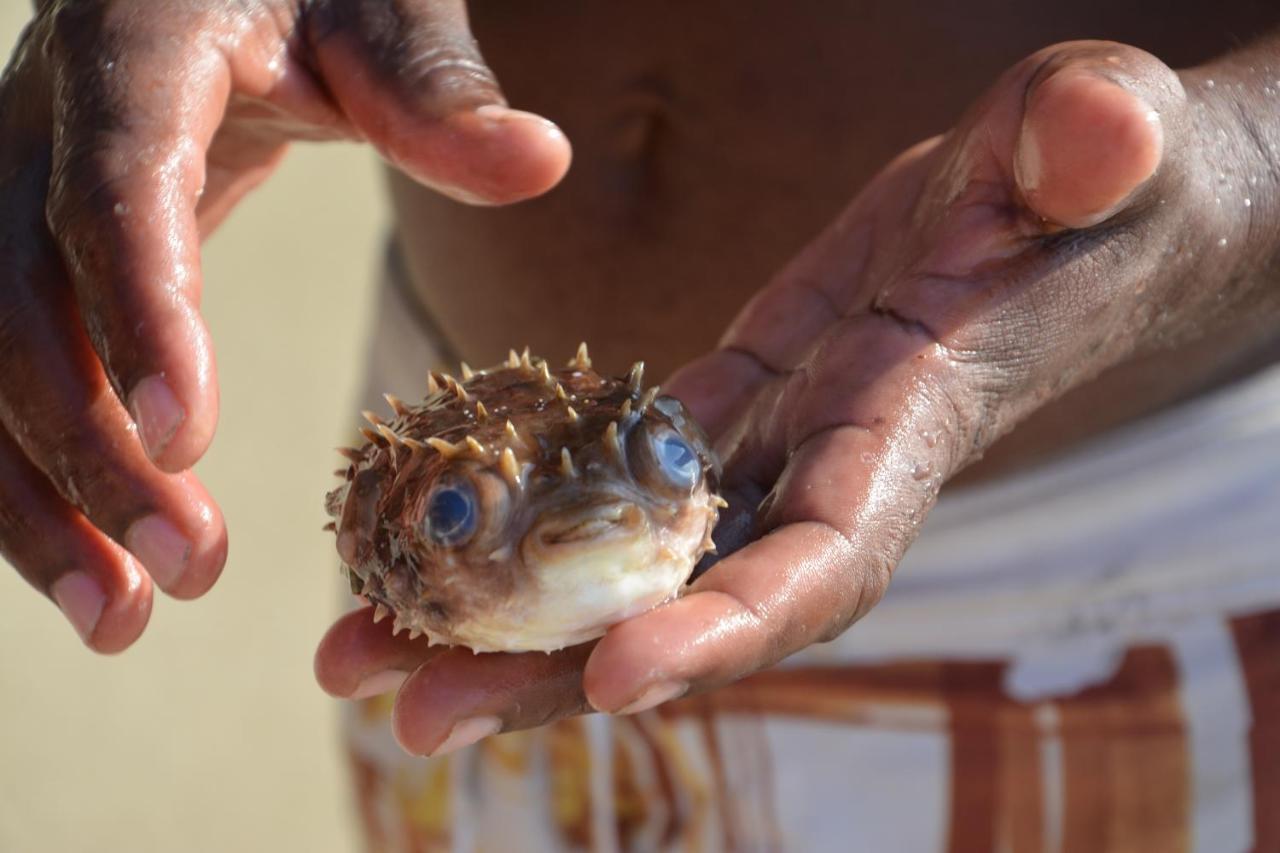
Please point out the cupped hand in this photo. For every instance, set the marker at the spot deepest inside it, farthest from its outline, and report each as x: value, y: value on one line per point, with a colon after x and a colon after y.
x: 1066, y: 224
x: 128, y: 129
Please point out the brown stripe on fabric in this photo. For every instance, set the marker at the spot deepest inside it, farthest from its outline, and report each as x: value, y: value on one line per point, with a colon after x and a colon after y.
x: 1084, y: 808
x: 676, y: 808
x: 637, y: 796
x: 569, y: 770
x: 850, y: 694
x: 975, y: 753
x: 1020, y: 819
x: 1126, y: 768
x: 1257, y: 640
x: 740, y: 787
x: 770, y: 827
x: 707, y: 725
x: 996, y: 776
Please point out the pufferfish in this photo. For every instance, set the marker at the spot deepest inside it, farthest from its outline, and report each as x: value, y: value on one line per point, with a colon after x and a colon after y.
x: 525, y: 508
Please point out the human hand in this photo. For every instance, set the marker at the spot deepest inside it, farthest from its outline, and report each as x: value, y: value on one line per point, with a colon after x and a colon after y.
x: 128, y: 130
x: 1066, y: 224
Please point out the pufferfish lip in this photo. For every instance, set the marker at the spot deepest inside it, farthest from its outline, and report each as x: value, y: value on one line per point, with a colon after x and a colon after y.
x: 594, y: 523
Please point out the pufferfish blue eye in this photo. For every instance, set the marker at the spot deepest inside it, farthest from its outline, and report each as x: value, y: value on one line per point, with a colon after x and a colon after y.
x: 676, y: 459
x: 451, y: 514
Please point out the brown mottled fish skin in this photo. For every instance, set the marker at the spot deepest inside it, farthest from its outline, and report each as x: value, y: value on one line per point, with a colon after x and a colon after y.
x: 577, y: 525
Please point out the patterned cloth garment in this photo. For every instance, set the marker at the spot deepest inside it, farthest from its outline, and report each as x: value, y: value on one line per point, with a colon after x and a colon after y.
x: 1083, y: 657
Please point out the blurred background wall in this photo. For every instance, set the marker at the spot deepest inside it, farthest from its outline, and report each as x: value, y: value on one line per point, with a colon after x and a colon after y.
x: 210, y: 734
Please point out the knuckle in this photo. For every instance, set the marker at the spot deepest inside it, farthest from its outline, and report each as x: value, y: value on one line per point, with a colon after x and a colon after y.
x: 63, y: 438
x: 77, y: 28
x: 80, y: 465
x: 441, y: 66
x: 425, y: 56
x: 16, y: 319
x: 963, y: 409
x: 868, y: 574
x: 70, y: 21
x: 98, y: 176
x: 77, y: 181
x: 437, y: 73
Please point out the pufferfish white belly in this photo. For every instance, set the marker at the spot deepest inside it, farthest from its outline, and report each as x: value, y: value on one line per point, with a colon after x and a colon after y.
x: 525, y: 508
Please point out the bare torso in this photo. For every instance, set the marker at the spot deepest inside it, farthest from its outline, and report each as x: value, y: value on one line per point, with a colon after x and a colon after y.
x: 713, y: 140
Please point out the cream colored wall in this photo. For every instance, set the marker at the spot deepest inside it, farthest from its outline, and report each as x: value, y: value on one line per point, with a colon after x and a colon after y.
x: 210, y: 734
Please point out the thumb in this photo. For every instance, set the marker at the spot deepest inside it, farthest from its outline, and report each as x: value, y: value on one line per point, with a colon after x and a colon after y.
x: 409, y: 76
x: 1096, y: 122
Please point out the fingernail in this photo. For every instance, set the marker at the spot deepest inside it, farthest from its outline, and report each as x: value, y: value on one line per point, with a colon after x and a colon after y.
x: 494, y: 112
x: 499, y: 114
x: 464, y: 196
x: 1026, y: 163
x: 467, y: 732
x: 160, y: 548
x: 81, y: 600
x: 157, y: 413
x: 376, y: 685
x: 661, y: 692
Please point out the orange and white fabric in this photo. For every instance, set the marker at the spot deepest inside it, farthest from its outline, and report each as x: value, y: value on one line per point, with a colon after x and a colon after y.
x: 1085, y: 657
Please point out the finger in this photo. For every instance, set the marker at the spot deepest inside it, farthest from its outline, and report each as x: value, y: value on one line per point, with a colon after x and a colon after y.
x: 855, y: 453
x: 453, y: 697
x: 1088, y: 141
x: 358, y: 657
x: 99, y: 588
x: 409, y: 75
x: 56, y: 404
x: 459, y: 697
x: 134, y: 111
x: 1109, y: 133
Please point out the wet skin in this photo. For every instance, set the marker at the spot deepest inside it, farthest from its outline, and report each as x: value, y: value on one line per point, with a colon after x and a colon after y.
x: 885, y: 324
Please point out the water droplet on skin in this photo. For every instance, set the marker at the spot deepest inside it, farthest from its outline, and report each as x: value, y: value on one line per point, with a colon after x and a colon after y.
x: 1209, y: 84
x: 921, y: 471
x: 1222, y: 242
x: 1217, y: 199
x: 1253, y: 180
x: 1248, y: 202
x: 930, y: 439
x: 120, y: 209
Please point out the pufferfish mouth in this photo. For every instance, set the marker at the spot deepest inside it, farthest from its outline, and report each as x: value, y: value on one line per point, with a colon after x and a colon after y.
x: 596, y: 524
